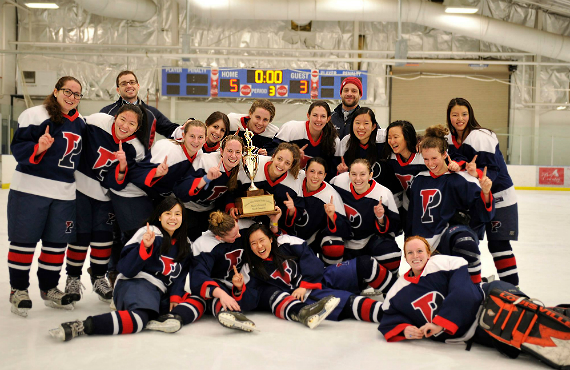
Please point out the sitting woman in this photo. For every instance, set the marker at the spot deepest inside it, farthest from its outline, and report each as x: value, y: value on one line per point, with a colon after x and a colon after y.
x: 145, y: 290
x: 436, y: 299
x: 286, y: 274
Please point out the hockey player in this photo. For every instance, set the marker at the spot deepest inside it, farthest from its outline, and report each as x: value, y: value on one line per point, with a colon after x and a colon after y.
x: 41, y: 201
x: 316, y: 137
x: 287, y: 275
x: 436, y: 299
x: 219, y: 255
x: 468, y: 141
x: 261, y: 113
x: 373, y: 216
x: 440, y: 202
x: 217, y: 127
x: 180, y: 156
x: 366, y: 140
x: 323, y: 223
x: 150, y: 287
x: 206, y: 182
x: 96, y: 217
x: 279, y: 175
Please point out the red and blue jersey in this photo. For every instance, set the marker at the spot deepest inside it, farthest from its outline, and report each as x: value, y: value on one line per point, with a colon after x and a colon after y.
x: 51, y: 173
x: 443, y: 294
x: 238, y: 124
x: 405, y: 171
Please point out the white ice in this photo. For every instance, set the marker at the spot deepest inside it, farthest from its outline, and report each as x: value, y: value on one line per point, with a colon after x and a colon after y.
x: 542, y: 257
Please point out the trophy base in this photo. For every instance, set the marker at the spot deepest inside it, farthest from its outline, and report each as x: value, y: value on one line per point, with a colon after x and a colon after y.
x: 256, y: 203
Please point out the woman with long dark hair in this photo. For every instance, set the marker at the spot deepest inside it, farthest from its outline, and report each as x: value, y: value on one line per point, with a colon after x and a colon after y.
x: 152, y: 273
x: 42, y: 199
x: 217, y: 128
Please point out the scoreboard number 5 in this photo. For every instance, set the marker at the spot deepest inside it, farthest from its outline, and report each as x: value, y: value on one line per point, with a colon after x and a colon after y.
x: 233, y: 85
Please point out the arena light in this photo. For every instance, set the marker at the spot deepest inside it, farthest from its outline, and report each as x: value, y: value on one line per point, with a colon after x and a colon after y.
x: 42, y: 5
x: 459, y: 7
x: 461, y: 10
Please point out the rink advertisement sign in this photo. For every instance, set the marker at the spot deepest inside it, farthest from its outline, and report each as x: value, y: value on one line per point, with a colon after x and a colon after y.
x: 552, y: 176
x: 257, y: 83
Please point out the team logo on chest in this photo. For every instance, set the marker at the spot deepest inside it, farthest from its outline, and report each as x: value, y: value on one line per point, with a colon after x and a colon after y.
x: 170, y: 269
x: 405, y: 180
x: 428, y: 304
x: 303, y: 220
x: 217, y: 192
x: 234, y: 259
x: 103, y: 162
x: 353, y: 215
x: 72, y: 148
x: 431, y: 198
x: 286, y: 276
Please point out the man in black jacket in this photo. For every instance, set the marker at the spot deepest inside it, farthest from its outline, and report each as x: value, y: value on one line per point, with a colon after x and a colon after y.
x: 128, y: 89
x: 343, y: 115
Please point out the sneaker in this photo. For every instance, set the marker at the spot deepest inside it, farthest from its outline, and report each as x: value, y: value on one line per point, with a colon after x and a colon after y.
x: 236, y: 320
x: 74, y: 287
x: 312, y: 315
x: 55, y: 298
x: 168, y: 323
x: 21, y: 302
x: 68, y: 330
x: 101, y: 287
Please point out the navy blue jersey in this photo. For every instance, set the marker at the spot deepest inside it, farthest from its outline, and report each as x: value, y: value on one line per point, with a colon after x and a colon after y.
x: 435, y: 199
x: 179, y: 163
x: 202, y: 199
x: 443, y: 294
x: 342, y: 122
x: 297, y: 132
x: 50, y: 174
x: 405, y: 171
x: 159, y: 269
x: 105, y: 167
x: 359, y: 210
x: 238, y: 124
x: 286, y: 184
x: 303, y: 270
x: 314, y: 219
x: 381, y: 171
x: 157, y: 122
x: 485, y: 145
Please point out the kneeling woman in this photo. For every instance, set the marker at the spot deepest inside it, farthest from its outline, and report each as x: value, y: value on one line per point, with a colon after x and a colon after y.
x: 145, y: 290
x: 436, y: 299
x: 286, y: 274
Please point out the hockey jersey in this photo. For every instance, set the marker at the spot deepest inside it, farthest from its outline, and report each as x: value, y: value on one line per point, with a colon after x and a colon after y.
x: 314, y: 219
x: 435, y: 199
x: 297, y: 132
x: 203, y: 199
x: 160, y: 270
x: 381, y: 171
x: 238, y: 124
x: 443, y: 294
x: 179, y: 163
x: 359, y: 210
x: 485, y: 145
x: 104, y: 144
x: 50, y: 174
x: 286, y: 184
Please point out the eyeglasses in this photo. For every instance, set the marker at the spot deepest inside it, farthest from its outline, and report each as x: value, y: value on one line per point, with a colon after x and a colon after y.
x: 126, y: 83
x: 68, y: 93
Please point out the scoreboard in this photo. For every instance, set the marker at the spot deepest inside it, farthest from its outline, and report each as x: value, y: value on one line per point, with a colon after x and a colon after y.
x: 257, y: 83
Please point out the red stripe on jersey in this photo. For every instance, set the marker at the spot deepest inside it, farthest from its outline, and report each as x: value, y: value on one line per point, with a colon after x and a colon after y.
x: 450, y: 327
x: 365, y: 309
x: 392, y: 265
x: 396, y: 334
x: 52, y: 258
x: 334, y: 250
x: 380, y: 278
x: 101, y: 253
x: 78, y: 256
x: 506, y: 263
x: 280, y: 310
x: 20, y: 257
x: 127, y: 322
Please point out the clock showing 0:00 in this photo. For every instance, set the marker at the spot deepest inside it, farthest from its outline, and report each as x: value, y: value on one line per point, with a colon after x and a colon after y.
x: 256, y: 83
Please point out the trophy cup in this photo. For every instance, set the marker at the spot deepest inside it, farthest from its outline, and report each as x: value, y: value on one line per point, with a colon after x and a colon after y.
x: 256, y: 202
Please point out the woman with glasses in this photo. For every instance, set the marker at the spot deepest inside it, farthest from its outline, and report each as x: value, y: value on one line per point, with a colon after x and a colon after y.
x: 41, y: 202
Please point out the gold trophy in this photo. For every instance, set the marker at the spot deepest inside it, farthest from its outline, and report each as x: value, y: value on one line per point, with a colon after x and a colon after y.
x: 256, y: 202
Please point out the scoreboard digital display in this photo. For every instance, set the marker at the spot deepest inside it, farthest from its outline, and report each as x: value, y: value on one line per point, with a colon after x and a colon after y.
x: 257, y: 83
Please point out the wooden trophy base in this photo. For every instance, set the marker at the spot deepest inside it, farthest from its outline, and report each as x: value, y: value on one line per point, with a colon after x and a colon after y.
x: 256, y: 203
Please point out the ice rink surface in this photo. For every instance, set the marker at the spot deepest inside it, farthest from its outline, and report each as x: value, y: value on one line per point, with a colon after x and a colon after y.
x: 542, y: 254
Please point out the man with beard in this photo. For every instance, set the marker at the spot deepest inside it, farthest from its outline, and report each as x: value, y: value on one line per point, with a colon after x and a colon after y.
x: 343, y: 115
